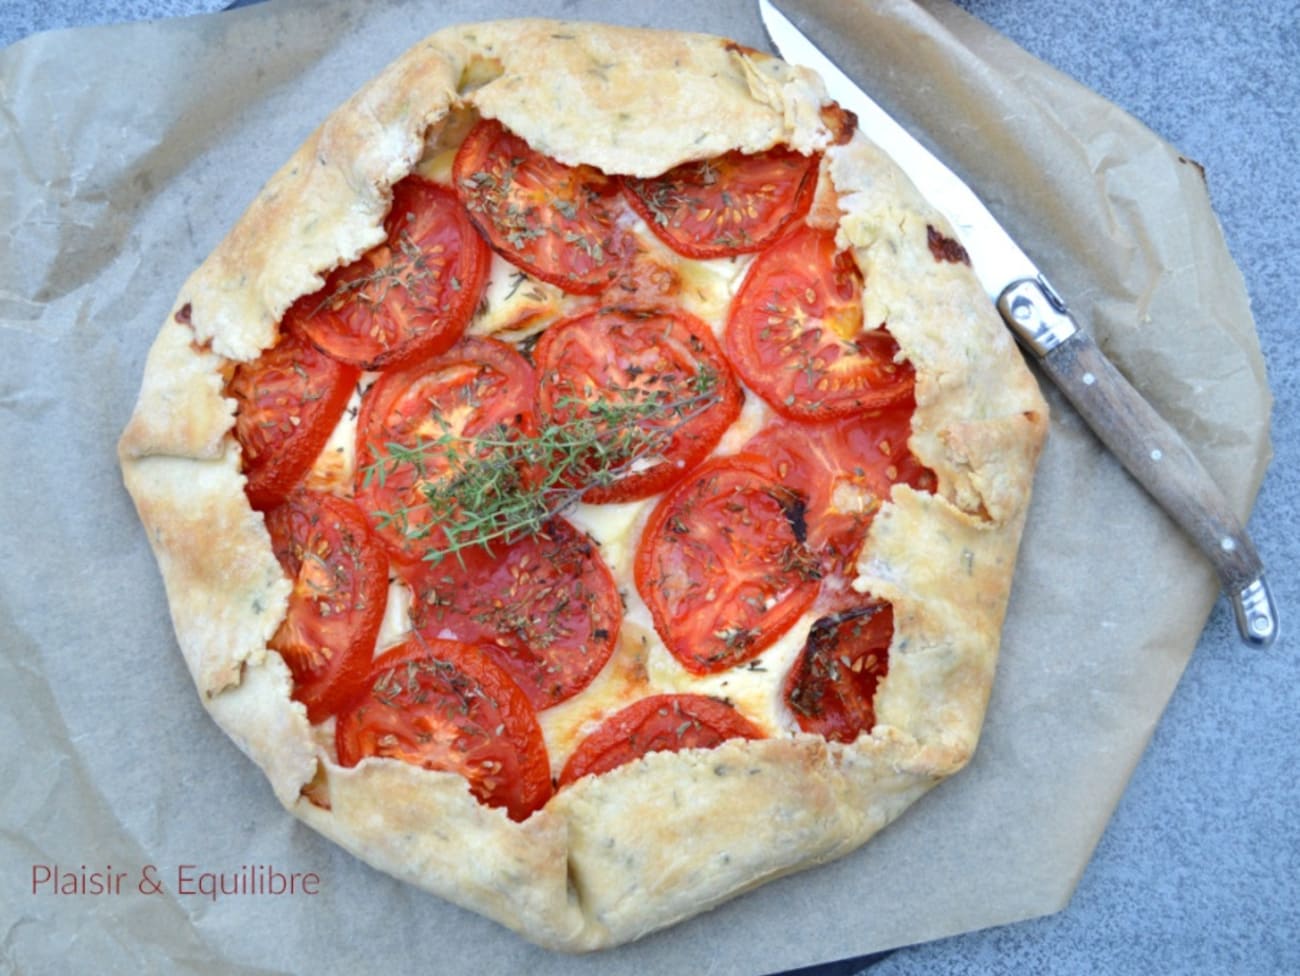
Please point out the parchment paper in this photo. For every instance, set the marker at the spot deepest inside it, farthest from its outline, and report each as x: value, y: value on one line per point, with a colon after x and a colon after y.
x: 125, y: 153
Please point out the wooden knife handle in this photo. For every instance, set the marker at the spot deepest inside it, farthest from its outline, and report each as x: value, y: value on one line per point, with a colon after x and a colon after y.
x: 1147, y: 446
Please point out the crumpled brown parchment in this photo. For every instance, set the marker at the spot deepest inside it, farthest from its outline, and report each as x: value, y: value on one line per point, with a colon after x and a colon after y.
x: 125, y: 153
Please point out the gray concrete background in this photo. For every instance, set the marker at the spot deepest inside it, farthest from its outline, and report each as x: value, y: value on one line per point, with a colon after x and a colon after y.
x: 1199, y: 870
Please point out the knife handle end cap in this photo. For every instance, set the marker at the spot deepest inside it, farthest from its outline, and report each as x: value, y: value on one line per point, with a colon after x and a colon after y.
x: 1256, y: 613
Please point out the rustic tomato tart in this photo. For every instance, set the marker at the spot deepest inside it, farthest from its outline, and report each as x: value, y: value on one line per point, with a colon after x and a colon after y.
x: 588, y: 478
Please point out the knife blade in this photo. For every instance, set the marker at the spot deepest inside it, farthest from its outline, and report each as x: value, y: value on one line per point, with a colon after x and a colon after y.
x: 1144, y: 443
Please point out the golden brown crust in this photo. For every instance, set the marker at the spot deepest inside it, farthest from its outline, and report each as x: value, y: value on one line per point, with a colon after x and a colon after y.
x: 611, y: 857
x: 427, y: 829
x: 653, y: 105
x: 674, y: 834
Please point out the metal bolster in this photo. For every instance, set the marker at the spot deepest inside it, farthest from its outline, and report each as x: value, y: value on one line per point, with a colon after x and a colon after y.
x: 1036, y: 314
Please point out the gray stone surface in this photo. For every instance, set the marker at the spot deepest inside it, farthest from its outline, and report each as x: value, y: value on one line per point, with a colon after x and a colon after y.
x: 1199, y: 870
x: 18, y: 18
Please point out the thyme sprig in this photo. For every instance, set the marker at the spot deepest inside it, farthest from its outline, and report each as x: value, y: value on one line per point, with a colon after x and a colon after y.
x: 502, y: 485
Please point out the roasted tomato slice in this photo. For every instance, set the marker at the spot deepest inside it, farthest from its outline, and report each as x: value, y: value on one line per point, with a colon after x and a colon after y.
x: 660, y: 723
x: 557, y: 222
x: 423, y: 427
x: 721, y: 565
x: 650, y: 391
x: 340, y: 586
x: 732, y: 204
x: 832, y: 687
x: 442, y: 705
x: 287, y: 403
x: 843, y: 470
x: 411, y: 296
x: 546, y: 608
x: 795, y: 333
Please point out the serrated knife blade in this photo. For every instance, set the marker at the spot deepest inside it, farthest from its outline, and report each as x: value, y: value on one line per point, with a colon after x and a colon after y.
x: 1148, y: 447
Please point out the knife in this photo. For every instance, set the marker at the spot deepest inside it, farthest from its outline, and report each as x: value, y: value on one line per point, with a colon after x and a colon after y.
x: 1152, y: 451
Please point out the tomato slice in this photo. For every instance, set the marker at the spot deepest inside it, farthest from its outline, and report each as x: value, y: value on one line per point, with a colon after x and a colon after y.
x: 442, y: 705
x: 411, y: 296
x: 731, y: 204
x: 418, y: 428
x: 796, y: 336
x: 557, y: 222
x: 832, y: 687
x: 340, y: 587
x: 651, y: 392
x: 660, y: 723
x: 843, y: 470
x: 545, y: 608
x: 287, y: 403
x: 721, y: 566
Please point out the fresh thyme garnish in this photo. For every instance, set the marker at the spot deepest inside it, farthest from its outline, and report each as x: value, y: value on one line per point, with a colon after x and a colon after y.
x: 502, y: 485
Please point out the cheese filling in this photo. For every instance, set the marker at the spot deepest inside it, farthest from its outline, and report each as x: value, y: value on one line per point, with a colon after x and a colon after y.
x: 515, y: 306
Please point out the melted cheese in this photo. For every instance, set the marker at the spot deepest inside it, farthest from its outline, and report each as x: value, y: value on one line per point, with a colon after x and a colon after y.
x: 336, y: 463
x: 515, y: 305
x: 396, y: 625
x: 708, y: 286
